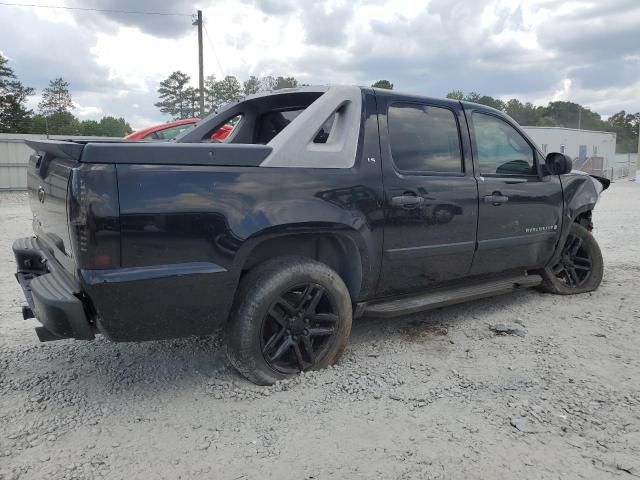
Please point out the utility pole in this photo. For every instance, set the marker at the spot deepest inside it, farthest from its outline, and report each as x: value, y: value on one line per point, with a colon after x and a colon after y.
x: 198, y: 23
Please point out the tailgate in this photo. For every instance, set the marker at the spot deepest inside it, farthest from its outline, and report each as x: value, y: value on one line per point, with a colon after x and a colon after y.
x: 48, y: 176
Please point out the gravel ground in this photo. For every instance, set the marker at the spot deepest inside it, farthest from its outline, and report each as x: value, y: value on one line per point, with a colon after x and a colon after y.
x: 434, y: 396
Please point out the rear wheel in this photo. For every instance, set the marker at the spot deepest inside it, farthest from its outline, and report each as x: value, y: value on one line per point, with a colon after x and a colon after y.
x: 291, y: 315
x: 579, y: 268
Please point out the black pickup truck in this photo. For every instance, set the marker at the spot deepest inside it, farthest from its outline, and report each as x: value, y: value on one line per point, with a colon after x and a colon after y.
x: 322, y: 204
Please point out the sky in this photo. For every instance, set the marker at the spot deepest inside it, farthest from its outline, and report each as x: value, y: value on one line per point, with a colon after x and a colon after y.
x: 585, y: 51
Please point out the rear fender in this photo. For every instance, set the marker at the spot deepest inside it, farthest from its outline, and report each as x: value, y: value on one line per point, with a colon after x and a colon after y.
x: 354, y: 263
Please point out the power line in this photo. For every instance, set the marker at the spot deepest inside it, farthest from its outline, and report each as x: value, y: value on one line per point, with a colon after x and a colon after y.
x: 104, y: 10
x: 215, y: 55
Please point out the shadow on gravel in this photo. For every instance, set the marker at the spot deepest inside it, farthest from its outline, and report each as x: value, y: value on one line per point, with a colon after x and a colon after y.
x: 158, y: 367
x: 434, y: 324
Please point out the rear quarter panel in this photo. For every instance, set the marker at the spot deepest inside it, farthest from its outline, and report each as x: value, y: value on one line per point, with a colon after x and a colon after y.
x: 178, y: 214
x: 186, y: 232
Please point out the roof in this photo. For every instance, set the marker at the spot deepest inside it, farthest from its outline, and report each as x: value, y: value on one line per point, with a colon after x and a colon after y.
x: 568, y: 129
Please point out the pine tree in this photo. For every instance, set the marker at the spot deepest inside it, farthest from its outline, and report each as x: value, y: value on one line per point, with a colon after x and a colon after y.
x: 210, y: 99
x: 174, y: 96
x: 228, y: 90
x: 251, y: 85
x: 14, y: 115
x: 56, y: 98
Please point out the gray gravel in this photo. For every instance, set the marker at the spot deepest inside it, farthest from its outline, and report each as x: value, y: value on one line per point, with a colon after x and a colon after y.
x: 431, y: 396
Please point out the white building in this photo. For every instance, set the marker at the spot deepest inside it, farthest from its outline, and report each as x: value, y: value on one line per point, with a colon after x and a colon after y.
x: 591, y: 151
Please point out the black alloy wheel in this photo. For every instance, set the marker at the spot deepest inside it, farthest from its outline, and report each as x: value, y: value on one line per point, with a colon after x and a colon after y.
x: 579, y: 268
x: 291, y: 314
x: 299, y: 328
x: 575, y: 264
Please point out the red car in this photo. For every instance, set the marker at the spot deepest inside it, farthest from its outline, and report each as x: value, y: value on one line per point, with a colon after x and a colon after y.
x: 164, y: 131
x: 170, y: 130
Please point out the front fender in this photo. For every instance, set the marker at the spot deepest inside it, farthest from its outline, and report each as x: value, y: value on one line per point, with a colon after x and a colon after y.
x: 581, y: 192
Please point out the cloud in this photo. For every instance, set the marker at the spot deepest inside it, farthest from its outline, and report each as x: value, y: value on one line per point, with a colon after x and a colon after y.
x: 326, y: 27
x: 51, y: 48
x: 536, y: 50
x: 275, y: 7
x: 162, y: 19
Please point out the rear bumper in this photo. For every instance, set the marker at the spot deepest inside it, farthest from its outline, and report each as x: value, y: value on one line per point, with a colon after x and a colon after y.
x: 51, y: 292
x: 124, y: 304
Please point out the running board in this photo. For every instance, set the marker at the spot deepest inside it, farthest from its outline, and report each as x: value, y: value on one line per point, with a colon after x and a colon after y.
x: 451, y: 296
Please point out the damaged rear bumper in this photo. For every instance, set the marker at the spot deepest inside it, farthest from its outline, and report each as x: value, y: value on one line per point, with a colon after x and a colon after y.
x: 53, y: 295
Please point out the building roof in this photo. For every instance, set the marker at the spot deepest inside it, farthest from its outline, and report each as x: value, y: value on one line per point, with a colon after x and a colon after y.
x: 569, y: 129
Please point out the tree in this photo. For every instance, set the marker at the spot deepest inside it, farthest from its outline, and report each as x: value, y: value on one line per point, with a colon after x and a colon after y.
x: 455, y: 95
x: 383, y: 84
x: 285, y: 82
x: 228, y: 90
x: 268, y: 83
x: 625, y: 125
x: 193, y: 102
x: 6, y: 72
x: 472, y: 97
x: 523, y: 113
x: 90, y: 128
x: 56, y: 98
x: 62, y: 123
x: 38, y: 124
x: 491, y: 102
x: 14, y: 115
x: 573, y: 115
x: 221, y: 92
x: 114, y: 127
x: 210, y: 98
x: 251, y: 85
x: 173, y: 95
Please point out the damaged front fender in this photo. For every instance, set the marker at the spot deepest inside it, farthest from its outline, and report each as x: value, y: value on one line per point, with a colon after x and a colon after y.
x: 581, y: 192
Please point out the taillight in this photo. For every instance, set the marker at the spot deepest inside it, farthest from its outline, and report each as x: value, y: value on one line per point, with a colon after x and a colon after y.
x: 93, y: 213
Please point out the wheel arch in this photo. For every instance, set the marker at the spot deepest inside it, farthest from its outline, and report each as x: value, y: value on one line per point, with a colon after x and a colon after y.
x: 343, y: 250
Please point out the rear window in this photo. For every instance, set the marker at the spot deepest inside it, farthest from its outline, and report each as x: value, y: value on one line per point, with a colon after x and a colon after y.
x: 424, y: 138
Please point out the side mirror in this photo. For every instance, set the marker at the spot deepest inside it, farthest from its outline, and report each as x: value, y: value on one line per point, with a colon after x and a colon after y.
x: 558, y: 163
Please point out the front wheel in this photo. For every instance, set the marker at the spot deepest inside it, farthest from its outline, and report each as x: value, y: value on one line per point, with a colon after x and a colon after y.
x: 579, y: 268
x: 291, y: 314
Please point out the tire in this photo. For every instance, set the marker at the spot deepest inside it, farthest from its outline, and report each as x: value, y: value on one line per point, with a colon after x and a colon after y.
x: 274, y: 311
x: 570, y: 275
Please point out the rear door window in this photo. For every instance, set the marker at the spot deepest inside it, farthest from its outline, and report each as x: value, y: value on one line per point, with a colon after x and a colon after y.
x: 424, y: 139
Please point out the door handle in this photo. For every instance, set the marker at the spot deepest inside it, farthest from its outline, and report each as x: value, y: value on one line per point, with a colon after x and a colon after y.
x: 407, y: 201
x: 496, y: 198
